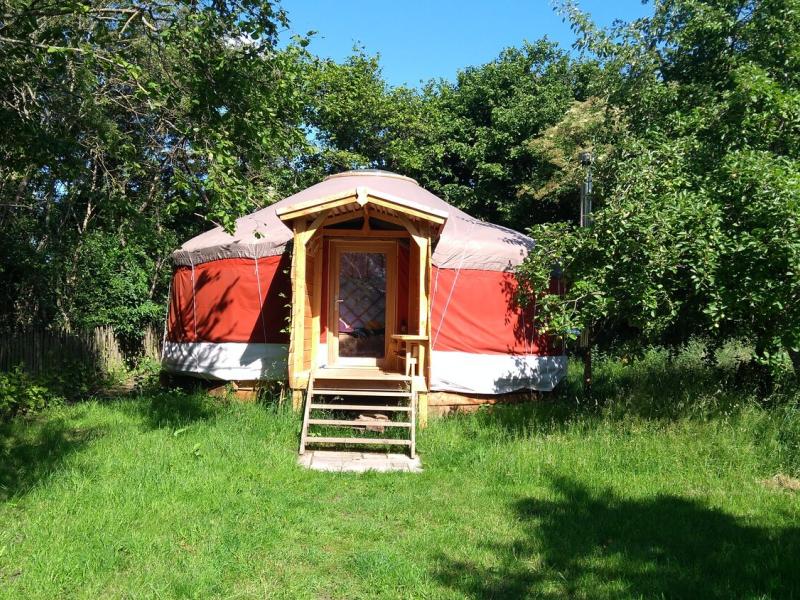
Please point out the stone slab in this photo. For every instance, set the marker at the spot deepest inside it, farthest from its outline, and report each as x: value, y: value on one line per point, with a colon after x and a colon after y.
x: 358, y: 462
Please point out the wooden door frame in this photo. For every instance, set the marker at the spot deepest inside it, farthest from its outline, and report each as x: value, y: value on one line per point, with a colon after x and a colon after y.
x: 336, y: 248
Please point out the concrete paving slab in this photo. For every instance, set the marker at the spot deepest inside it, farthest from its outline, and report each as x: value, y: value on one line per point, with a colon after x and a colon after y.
x: 358, y: 462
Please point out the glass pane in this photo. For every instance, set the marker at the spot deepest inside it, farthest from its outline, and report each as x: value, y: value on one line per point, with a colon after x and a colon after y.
x: 362, y: 306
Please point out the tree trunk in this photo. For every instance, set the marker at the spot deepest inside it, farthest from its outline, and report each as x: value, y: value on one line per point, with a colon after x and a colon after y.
x: 587, y: 370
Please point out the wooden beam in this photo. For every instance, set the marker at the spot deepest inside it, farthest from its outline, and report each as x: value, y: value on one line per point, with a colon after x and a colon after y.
x: 302, y: 234
x: 434, y: 215
x: 422, y: 409
x: 316, y: 309
x: 405, y: 209
x: 424, y: 317
x: 312, y: 210
x: 357, y: 233
x: 429, y: 292
x: 423, y: 295
x: 362, y: 196
x: 315, y: 224
x: 298, y: 303
x: 292, y: 312
x: 287, y: 213
x: 412, y: 229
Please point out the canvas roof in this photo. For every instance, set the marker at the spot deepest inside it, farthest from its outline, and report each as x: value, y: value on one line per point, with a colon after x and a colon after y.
x: 464, y: 242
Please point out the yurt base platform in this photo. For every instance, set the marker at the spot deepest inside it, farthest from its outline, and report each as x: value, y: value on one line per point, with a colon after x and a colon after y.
x: 358, y: 462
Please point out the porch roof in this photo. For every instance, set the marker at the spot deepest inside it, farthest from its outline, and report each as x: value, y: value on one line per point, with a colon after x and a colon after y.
x: 355, y: 200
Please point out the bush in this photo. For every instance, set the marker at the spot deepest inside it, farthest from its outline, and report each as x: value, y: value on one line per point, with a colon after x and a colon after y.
x: 19, y: 393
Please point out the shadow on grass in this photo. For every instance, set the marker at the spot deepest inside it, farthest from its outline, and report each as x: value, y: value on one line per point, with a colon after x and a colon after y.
x: 655, y: 387
x: 32, y: 451
x: 176, y: 408
x: 596, y: 544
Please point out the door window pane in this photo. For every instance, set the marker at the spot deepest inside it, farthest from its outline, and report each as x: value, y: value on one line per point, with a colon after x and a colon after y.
x: 362, y: 304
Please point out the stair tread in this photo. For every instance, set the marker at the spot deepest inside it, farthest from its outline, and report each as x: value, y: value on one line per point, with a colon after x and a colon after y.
x: 358, y: 423
x: 361, y: 392
x: 358, y: 407
x: 359, y: 375
x: 344, y: 440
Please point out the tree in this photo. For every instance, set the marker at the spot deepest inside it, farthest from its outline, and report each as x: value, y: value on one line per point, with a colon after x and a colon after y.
x: 124, y: 126
x: 482, y: 159
x: 698, y: 230
x: 470, y: 141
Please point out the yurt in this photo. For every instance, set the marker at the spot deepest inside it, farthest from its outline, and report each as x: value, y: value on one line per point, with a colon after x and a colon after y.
x: 365, y: 272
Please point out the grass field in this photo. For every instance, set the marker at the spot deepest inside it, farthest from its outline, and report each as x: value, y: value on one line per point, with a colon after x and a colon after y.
x: 660, y: 491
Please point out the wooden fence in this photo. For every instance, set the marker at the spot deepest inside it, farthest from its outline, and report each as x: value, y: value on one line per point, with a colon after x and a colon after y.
x: 40, y: 351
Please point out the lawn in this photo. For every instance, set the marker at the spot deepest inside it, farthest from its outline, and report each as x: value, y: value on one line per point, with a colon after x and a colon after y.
x: 173, y: 495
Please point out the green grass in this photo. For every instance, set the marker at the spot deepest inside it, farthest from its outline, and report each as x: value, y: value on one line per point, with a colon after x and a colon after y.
x: 657, y: 492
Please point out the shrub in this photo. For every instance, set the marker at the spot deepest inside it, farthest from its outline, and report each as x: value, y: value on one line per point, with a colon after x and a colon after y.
x: 19, y: 393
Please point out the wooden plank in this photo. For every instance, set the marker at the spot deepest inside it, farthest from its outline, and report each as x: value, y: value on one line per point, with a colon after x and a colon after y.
x: 316, y: 309
x: 373, y: 234
x: 296, y: 345
x: 297, y: 400
x: 362, y: 196
x: 341, y: 440
x: 306, y: 414
x: 424, y: 322
x: 402, y: 207
x: 423, y: 292
x: 362, y: 392
x: 316, y: 205
x: 422, y: 409
x: 397, y: 200
x: 429, y: 288
x: 358, y: 423
x: 318, y: 406
x: 354, y: 375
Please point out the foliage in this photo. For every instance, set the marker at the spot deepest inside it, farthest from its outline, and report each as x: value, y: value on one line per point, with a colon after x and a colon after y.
x: 698, y: 228
x: 19, y: 393
x: 483, y: 160
x: 128, y: 128
x: 122, y: 123
x: 469, y: 141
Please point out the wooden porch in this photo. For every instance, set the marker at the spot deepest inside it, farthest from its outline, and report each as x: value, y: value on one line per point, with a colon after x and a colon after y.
x: 382, y: 354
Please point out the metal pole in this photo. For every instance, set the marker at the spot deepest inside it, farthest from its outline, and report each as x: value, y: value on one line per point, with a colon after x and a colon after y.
x: 585, y: 221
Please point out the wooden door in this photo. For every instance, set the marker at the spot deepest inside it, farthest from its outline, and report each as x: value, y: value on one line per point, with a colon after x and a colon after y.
x: 363, y: 284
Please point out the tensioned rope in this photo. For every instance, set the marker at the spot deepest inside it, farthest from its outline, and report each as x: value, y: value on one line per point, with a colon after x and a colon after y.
x: 260, y: 302
x: 194, y: 317
x: 452, y: 288
x: 166, y: 320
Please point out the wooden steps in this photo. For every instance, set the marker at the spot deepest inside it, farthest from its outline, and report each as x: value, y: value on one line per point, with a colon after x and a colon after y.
x: 341, y: 440
x: 341, y: 390
x: 368, y: 407
x: 360, y: 392
x: 359, y: 423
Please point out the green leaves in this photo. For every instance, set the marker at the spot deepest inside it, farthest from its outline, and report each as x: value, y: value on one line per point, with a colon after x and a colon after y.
x: 698, y: 227
x: 130, y: 127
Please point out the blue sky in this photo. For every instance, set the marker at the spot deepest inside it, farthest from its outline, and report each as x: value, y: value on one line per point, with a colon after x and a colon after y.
x: 419, y: 40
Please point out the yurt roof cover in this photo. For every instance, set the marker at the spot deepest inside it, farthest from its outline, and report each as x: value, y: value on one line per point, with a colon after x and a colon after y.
x: 464, y: 242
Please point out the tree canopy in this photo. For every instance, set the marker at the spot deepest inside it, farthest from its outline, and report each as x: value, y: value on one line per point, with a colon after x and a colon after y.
x: 128, y: 128
x: 698, y: 230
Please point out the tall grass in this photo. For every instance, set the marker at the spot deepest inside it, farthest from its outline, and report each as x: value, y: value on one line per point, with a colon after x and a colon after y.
x: 657, y: 486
